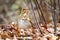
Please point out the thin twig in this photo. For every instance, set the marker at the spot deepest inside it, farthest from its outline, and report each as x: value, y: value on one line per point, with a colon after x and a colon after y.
x: 39, y: 6
x: 36, y: 19
x: 54, y: 14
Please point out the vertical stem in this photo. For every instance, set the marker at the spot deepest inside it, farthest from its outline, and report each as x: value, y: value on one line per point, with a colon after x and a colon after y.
x: 59, y: 11
x: 54, y: 14
x: 37, y: 10
x: 59, y: 4
x: 39, y: 6
x: 35, y: 18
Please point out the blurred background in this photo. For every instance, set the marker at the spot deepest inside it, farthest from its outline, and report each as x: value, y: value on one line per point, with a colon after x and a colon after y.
x: 39, y: 17
x: 10, y: 10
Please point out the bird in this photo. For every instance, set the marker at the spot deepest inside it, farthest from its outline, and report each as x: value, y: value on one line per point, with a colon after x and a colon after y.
x: 24, y: 21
